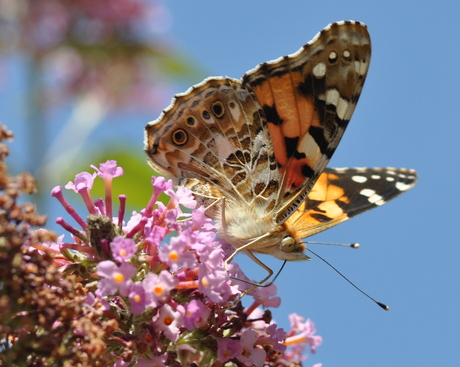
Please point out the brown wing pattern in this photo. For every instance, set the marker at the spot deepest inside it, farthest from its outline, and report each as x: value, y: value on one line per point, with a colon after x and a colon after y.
x: 216, y: 133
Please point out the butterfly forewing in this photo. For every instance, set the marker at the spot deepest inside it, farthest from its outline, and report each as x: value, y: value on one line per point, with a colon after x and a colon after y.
x: 308, y: 99
x: 342, y: 193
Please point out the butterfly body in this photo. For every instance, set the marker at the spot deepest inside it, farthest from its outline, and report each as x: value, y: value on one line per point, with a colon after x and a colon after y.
x: 255, y: 150
x: 261, y: 233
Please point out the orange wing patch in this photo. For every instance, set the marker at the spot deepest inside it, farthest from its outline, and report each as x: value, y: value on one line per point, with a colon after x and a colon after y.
x: 308, y: 98
x: 342, y: 193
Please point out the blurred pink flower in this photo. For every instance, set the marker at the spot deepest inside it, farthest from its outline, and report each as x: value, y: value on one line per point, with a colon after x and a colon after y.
x: 251, y: 355
x: 108, y: 48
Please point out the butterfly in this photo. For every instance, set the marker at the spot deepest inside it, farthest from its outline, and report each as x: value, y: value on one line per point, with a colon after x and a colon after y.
x: 255, y: 150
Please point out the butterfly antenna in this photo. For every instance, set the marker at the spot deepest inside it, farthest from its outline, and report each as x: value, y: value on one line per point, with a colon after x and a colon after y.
x: 276, y: 276
x: 352, y: 245
x: 382, y: 305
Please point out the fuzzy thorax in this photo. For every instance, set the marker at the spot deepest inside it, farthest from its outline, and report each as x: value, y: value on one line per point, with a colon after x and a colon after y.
x: 244, y: 227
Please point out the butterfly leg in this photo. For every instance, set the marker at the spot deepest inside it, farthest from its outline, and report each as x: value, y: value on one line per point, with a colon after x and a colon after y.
x: 260, y: 263
x: 245, y: 248
x: 257, y: 261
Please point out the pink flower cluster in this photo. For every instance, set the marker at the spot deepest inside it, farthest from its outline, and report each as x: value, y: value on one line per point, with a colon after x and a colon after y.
x: 104, y: 48
x: 162, y: 276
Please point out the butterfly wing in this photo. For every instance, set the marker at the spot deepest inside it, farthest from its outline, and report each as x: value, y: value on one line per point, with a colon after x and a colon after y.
x: 340, y: 194
x: 308, y: 99
x: 216, y: 133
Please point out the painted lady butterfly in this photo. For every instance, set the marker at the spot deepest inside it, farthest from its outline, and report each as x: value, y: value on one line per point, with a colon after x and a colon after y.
x: 262, y: 144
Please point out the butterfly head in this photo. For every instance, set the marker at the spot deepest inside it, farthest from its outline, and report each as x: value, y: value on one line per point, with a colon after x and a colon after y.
x: 283, y: 246
x: 291, y: 247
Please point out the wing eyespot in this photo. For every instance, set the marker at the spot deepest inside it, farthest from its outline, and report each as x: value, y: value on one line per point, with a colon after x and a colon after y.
x: 206, y: 115
x: 179, y: 137
x: 332, y: 57
x: 218, y: 109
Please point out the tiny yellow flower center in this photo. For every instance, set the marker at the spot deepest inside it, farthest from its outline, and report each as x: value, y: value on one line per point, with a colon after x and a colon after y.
x: 137, y: 298
x: 168, y: 320
x: 173, y: 255
x: 118, y: 277
x: 158, y: 289
x: 123, y: 252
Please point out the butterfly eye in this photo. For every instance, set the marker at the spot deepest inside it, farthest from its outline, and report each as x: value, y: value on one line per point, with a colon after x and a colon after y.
x: 179, y: 137
x: 288, y: 244
x: 218, y: 109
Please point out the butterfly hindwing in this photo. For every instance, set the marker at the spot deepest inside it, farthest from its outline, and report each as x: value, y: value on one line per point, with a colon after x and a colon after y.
x: 342, y: 193
x: 216, y: 133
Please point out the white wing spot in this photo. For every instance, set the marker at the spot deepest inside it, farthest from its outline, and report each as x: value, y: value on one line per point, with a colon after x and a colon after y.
x: 341, y: 105
x: 367, y: 192
x: 375, y: 177
x: 235, y: 112
x: 390, y: 179
x: 402, y: 186
x: 319, y: 70
x: 380, y: 202
x: 342, y: 108
x: 376, y: 199
x: 311, y: 148
x: 332, y: 56
x: 372, y: 197
x: 332, y: 97
x: 346, y: 54
x: 361, y: 67
x: 359, y: 179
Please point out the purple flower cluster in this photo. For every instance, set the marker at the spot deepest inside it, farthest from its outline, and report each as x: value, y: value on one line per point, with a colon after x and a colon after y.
x: 161, y: 275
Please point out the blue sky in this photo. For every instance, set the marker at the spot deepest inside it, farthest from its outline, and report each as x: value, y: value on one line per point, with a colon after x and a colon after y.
x: 407, y: 116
